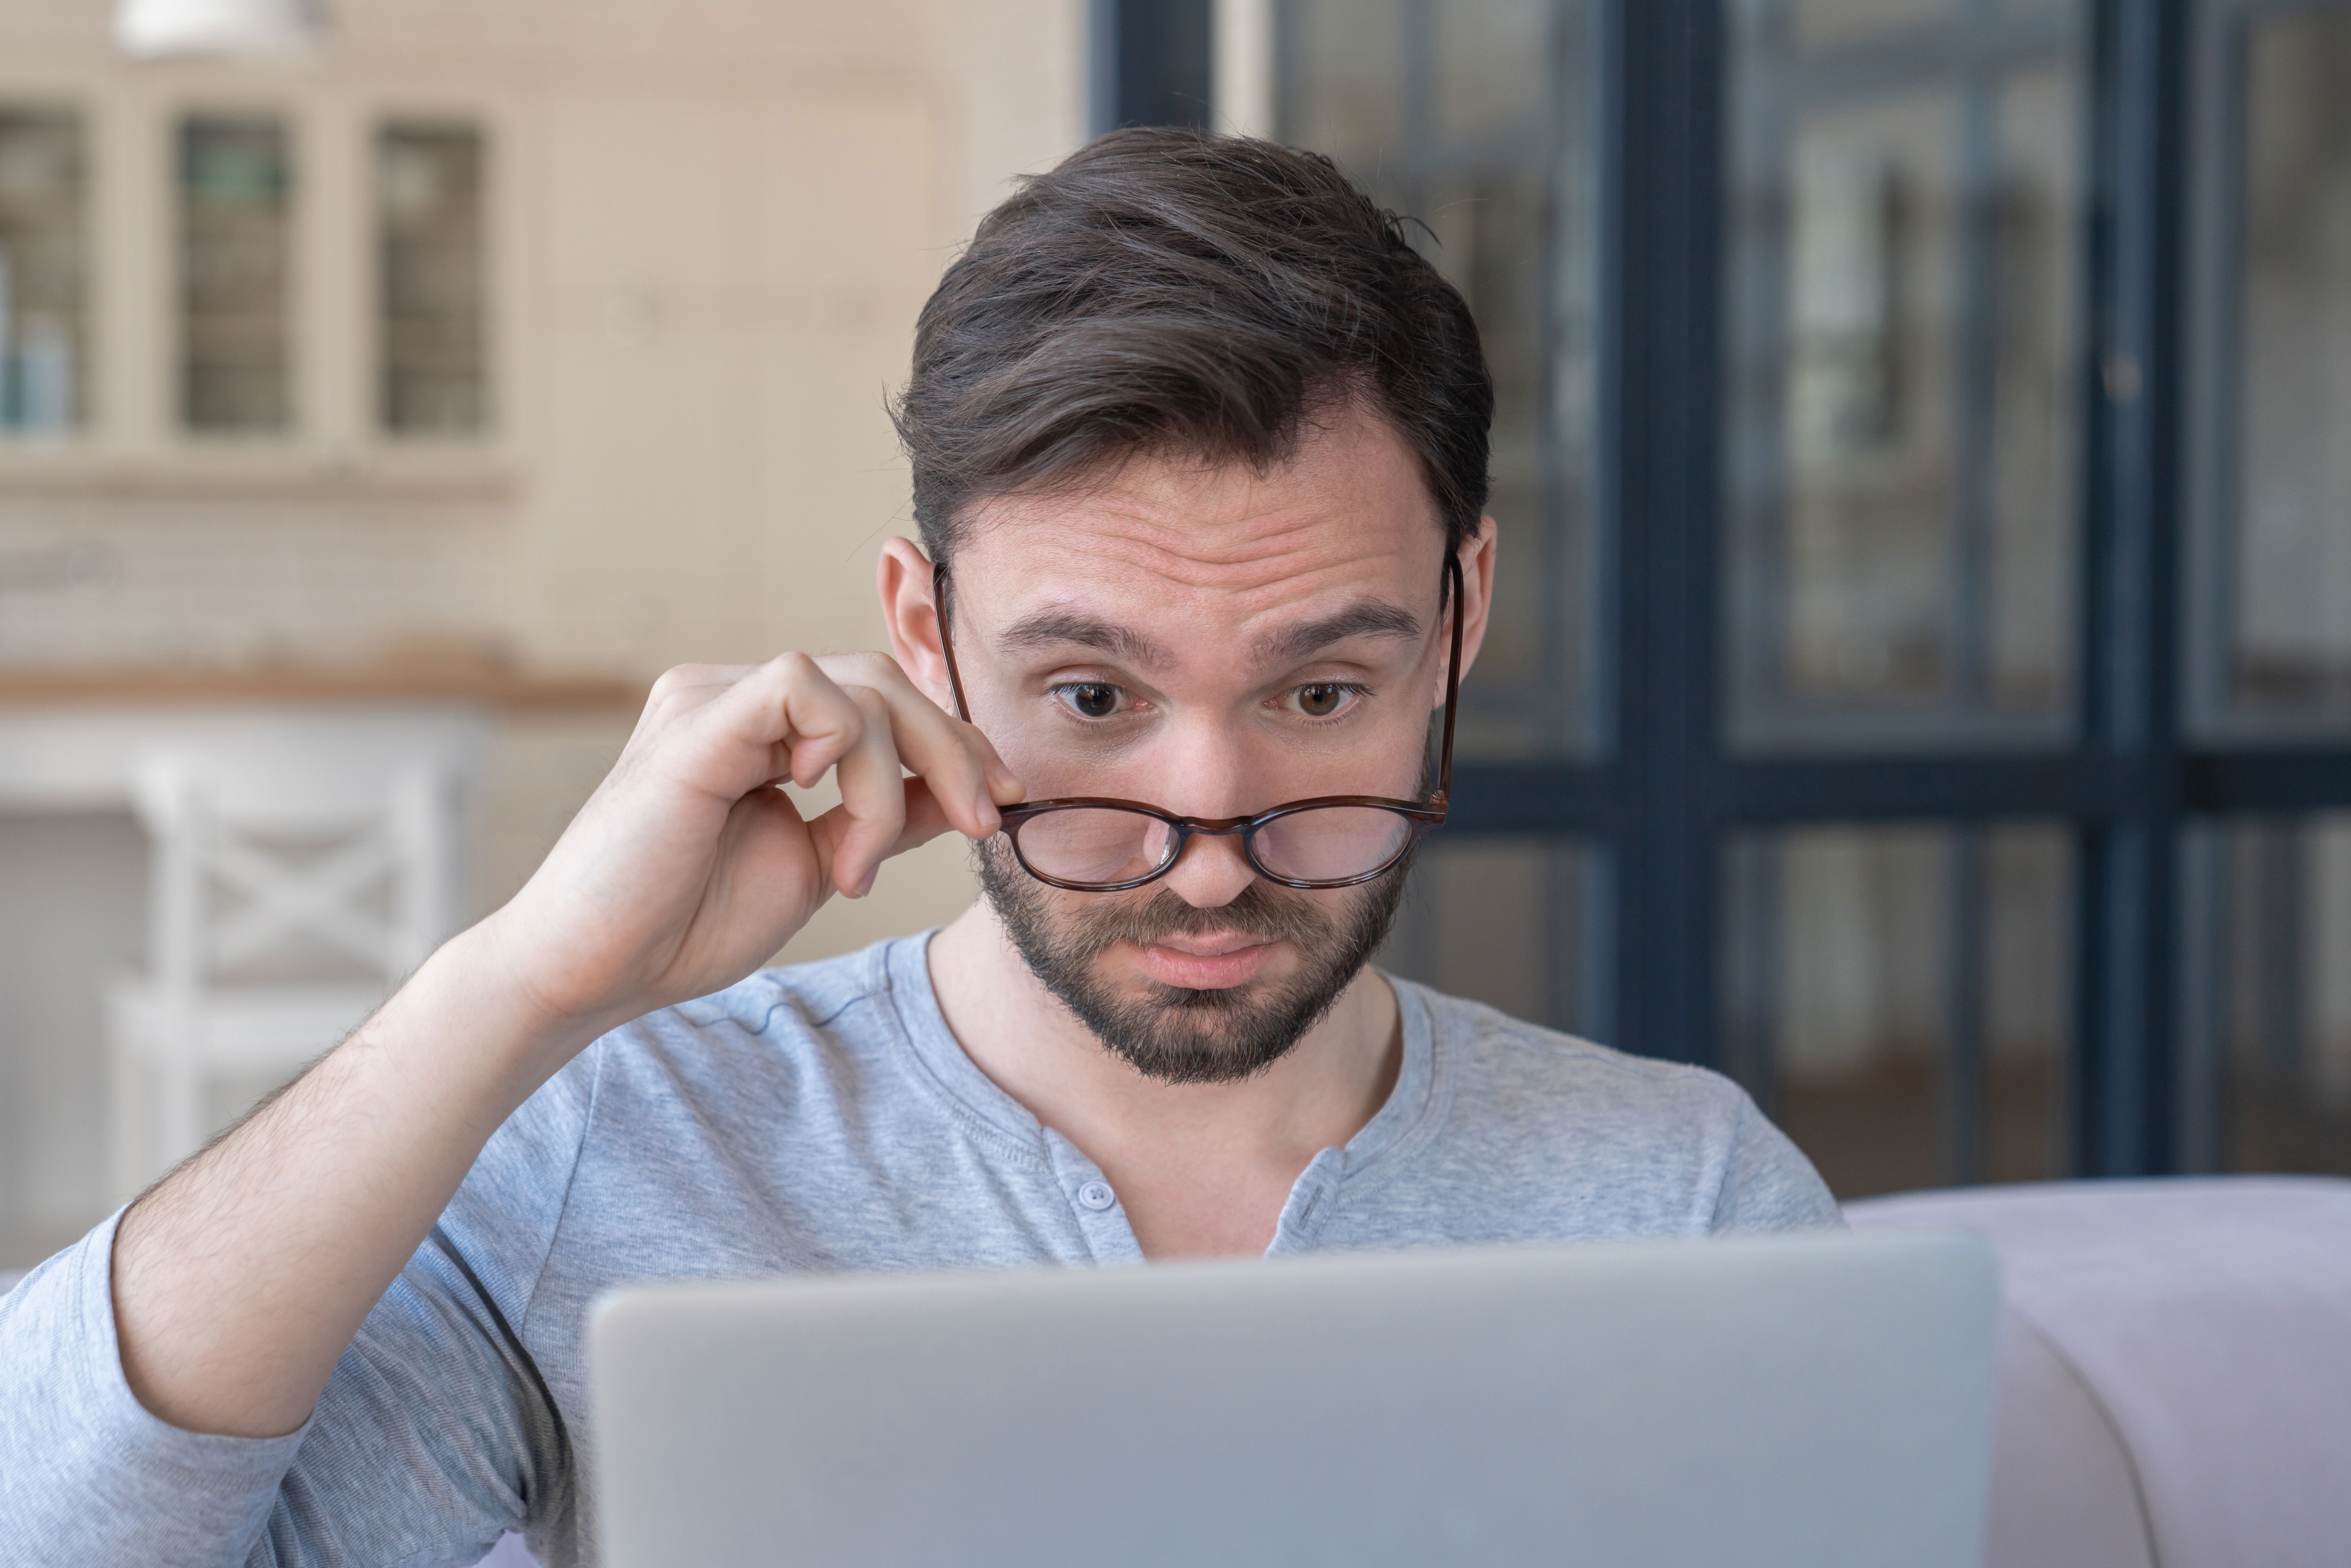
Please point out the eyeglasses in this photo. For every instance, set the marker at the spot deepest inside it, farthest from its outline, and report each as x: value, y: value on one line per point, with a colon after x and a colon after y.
x: 1091, y: 844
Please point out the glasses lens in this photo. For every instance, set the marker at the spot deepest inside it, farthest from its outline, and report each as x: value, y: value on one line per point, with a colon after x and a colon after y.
x: 1332, y: 844
x: 1088, y: 844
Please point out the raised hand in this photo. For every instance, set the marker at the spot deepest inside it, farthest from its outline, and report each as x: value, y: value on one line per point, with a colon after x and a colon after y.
x: 687, y: 868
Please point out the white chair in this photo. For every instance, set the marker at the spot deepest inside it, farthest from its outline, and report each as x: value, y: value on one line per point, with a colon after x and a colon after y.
x: 293, y: 887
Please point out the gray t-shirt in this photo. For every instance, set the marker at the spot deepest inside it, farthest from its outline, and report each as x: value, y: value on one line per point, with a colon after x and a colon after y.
x: 809, y: 1119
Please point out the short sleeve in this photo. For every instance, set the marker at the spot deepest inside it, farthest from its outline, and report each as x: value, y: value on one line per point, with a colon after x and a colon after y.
x: 86, y: 1475
x: 1768, y: 1184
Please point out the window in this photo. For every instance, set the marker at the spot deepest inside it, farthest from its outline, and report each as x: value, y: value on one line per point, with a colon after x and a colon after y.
x: 432, y: 280
x: 1906, y: 344
x: 44, y: 265
x: 2267, y: 1034
x: 1900, y: 997
x: 2277, y: 306
x: 235, y: 287
x: 1933, y: 703
x: 2272, y: 1051
x: 1904, y: 277
x: 1478, y: 118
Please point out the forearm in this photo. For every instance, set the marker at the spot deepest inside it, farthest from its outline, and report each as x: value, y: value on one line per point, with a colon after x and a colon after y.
x: 239, y: 1281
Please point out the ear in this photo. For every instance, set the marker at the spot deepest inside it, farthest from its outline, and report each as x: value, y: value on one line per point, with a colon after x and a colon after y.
x: 1477, y: 597
x: 910, y: 611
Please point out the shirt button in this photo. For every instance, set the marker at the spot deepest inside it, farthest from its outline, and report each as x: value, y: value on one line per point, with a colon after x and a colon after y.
x: 1097, y: 1196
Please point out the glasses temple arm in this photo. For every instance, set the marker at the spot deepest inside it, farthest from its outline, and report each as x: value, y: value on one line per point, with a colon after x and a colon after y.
x: 1452, y: 684
x: 946, y: 643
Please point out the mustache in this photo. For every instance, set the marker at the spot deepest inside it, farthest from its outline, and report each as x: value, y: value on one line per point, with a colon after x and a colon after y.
x: 1261, y: 911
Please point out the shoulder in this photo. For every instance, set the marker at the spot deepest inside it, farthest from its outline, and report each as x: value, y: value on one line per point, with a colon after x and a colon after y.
x: 1506, y: 1065
x: 793, y: 1016
x: 782, y: 1046
x: 1653, y: 1145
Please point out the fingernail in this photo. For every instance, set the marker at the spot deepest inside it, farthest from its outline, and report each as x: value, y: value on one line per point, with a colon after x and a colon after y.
x: 988, y: 818
x: 867, y: 886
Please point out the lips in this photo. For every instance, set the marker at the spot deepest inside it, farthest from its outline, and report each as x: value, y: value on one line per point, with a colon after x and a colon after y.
x: 1205, y: 963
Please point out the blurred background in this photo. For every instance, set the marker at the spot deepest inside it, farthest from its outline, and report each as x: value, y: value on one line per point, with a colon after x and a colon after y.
x: 1922, y: 680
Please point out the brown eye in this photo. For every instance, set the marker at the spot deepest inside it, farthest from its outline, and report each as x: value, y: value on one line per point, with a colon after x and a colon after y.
x: 1093, y: 701
x: 1321, y: 701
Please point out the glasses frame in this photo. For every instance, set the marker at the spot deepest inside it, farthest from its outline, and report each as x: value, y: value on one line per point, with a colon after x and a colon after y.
x: 1420, y: 817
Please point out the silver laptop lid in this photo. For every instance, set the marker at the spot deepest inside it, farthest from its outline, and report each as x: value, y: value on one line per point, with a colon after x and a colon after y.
x: 1809, y: 1401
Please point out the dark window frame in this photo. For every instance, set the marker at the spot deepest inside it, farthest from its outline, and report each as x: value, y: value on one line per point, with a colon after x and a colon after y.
x: 2131, y: 782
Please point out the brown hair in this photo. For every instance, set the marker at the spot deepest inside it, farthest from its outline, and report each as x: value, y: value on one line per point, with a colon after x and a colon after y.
x: 1169, y: 291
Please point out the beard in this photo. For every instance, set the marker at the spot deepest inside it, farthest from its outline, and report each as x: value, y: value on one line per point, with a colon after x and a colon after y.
x: 1176, y: 1035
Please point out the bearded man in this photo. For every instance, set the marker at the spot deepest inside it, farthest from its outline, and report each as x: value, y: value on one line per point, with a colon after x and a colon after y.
x: 1199, y: 449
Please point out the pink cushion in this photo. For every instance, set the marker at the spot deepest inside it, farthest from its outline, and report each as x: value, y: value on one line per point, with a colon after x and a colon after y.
x: 2176, y: 1358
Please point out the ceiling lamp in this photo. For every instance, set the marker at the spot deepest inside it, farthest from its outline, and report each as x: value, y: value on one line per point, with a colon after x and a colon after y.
x: 160, y: 29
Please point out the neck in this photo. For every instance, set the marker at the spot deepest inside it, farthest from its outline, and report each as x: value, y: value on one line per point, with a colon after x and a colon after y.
x: 1199, y: 1168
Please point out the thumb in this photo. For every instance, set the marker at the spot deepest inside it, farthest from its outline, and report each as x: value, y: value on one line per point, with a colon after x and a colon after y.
x: 926, y: 820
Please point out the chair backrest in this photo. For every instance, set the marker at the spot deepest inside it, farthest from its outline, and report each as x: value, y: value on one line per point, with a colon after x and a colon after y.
x: 354, y: 850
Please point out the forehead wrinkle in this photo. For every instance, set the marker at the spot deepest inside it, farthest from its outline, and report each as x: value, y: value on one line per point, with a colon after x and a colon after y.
x: 1184, y: 547
x: 1234, y: 543
x: 1300, y: 571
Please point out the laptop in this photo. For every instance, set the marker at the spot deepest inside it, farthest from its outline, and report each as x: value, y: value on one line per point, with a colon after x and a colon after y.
x: 1812, y: 1401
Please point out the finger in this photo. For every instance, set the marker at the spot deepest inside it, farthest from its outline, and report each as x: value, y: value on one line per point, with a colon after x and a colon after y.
x: 871, y: 798
x: 762, y: 870
x: 967, y: 777
x: 926, y: 819
x: 784, y: 718
x: 679, y: 690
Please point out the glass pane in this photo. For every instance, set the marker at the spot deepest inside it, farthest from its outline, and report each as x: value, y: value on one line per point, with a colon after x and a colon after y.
x: 2036, y: 349
x: 1868, y: 418
x: 2279, y: 1069
x: 1500, y: 165
x: 431, y: 307
x: 1094, y: 846
x: 1342, y: 81
x: 2292, y: 491
x: 1905, y: 342
x: 1838, y: 24
x: 1487, y: 237
x: 1332, y: 843
x: 235, y: 287
x: 44, y: 265
x: 2026, y: 999
x: 1898, y: 999
x: 1508, y: 922
x: 1493, y: 64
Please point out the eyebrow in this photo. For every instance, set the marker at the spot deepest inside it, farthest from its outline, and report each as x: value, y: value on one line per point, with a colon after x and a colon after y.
x: 1048, y: 628
x: 1369, y: 619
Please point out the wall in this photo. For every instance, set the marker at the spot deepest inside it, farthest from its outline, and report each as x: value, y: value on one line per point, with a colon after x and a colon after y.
x: 713, y: 226
x: 713, y: 223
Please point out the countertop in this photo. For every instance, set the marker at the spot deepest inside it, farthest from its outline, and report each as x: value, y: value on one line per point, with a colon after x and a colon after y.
x: 372, y: 684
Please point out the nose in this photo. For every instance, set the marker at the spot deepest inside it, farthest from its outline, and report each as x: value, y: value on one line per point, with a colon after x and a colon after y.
x: 1211, y: 872
x: 1210, y: 772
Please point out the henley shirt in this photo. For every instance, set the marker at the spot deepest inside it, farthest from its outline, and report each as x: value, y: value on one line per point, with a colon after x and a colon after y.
x: 812, y: 1119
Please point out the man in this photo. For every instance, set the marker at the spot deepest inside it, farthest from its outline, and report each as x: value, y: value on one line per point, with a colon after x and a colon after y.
x: 1200, y: 452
